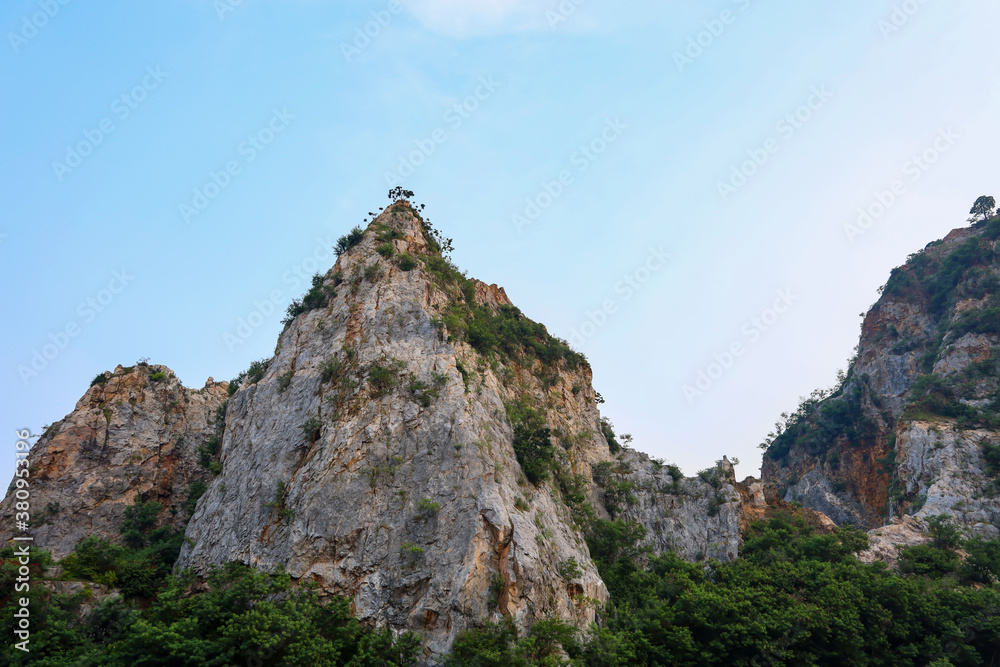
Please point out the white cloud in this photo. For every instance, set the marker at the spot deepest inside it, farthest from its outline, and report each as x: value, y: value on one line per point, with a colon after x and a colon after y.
x: 462, y: 18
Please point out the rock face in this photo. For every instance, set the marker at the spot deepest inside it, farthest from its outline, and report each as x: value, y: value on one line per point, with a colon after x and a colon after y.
x: 699, y: 518
x: 415, y: 443
x: 913, y: 428
x: 132, y: 437
x: 375, y: 455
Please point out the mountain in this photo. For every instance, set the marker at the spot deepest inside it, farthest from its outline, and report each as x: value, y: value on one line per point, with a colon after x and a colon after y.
x: 912, y: 430
x: 415, y: 444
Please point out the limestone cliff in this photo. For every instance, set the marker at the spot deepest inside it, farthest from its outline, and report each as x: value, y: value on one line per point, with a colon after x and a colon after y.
x: 376, y: 454
x: 913, y: 429
x: 416, y: 443
x: 134, y: 436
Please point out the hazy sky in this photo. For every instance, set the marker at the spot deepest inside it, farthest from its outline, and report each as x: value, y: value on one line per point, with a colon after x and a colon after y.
x: 660, y: 183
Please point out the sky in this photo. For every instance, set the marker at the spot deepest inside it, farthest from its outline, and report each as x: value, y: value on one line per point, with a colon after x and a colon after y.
x: 702, y: 197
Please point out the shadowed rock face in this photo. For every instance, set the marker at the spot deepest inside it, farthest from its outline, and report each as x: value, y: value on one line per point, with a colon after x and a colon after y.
x: 129, y: 438
x: 905, y: 435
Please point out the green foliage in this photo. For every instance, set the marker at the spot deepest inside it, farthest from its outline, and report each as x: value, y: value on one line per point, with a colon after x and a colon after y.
x: 406, y: 262
x: 311, y: 428
x: 157, y: 376
x: 608, y: 430
x: 100, y: 379
x: 821, y: 419
x: 257, y: 369
x: 387, y: 250
x: 349, y: 240
x: 570, y: 569
x: 427, y: 508
x: 207, y: 452
x: 140, y: 566
x: 983, y: 206
x: 242, y: 617
x: 532, y: 441
x: 284, y: 380
x: 383, y: 377
x: 277, y: 501
x: 317, y: 297
x: 373, y: 272
x: 926, y: 560
x: 424, y: 393
x: 794, y: 598
x: 497, y: 645
x: 195, y: 491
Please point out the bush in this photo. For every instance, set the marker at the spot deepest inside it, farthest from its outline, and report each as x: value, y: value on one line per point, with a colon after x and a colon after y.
x: 349, y: 240
x: 257, y: 370
x: 373, y: 272
x: 317, y: 297
x: 311, y: 429
x: 406, y: 262
x: 532, y: 441
x: 195, y: 492
x: 100, y: 379
x: 386, y: 250
x: 157, y: 376
x: 383, y: 378
x: 927, y: 560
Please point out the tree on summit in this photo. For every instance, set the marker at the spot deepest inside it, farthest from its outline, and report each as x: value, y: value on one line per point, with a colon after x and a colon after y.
x: 984, y: 206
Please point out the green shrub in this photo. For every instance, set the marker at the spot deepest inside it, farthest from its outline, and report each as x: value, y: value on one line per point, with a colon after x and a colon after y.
x: 570, y: 569
x: 428, y: 508
x: 349, y: 240
x: 317, y: 297
x: 406, y: 262
x: 100, y: 379
x: 257, y: 370
x: 195, y: 492
x: 532, y: 441
x: 927, y: 560
x: 284, y: 380
x: 386, y: 250
x: 383, y: 377
x: 311, y: 429
x: 157, y: 376
x: 373, y: 272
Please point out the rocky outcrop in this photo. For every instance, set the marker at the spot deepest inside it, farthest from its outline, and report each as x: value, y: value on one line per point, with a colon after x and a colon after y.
x: 904, y: 436
x: 699, y: 518
x: 133, y: 437
x: 375, y: 455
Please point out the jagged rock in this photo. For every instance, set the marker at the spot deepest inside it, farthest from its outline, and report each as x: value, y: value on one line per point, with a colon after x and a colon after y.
x: 699, y: 518
x: 911, y: 419
x: 405, y: 492
x: 129, y: 438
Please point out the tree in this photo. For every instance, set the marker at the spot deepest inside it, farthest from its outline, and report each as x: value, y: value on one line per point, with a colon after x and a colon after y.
x: 984, y: 206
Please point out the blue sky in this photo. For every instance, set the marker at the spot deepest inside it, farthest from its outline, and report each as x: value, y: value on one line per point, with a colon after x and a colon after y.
x: 182, y: 164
